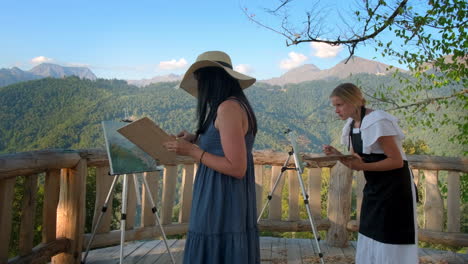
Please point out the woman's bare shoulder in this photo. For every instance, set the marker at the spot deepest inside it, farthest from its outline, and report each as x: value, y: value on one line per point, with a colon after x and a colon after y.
x: 228, y: 106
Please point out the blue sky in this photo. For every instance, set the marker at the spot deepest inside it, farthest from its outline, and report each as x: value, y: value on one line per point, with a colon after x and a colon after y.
x: 143, y: 39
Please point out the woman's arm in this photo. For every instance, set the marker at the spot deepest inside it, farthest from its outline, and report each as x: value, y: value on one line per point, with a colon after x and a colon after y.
x: 393, y: 161
x: 232, y: 125
x: 231, y: 122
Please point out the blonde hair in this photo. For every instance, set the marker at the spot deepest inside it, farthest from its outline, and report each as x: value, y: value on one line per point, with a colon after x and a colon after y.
x: 349, y: 93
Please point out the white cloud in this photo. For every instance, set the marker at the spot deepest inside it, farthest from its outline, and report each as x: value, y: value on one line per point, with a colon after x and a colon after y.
x: 173, y: 64
x: 244, y: 68
x: 40, y: 59
x: 294, y: 60
x: 323, y: 50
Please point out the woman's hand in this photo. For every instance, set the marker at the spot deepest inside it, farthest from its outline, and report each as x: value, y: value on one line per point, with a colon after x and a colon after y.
x: 181, y: 147
x: 187, y: 136
x: 354, y: 163
x: 329, y: 150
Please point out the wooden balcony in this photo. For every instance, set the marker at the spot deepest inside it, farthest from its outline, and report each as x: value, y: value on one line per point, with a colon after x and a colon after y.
x: 65, y: 173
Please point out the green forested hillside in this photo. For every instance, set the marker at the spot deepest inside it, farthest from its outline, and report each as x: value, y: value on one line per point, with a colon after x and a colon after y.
x: 66, y: 113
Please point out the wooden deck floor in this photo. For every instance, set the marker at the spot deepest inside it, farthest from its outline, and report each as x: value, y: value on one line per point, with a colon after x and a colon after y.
x: 273, y: 251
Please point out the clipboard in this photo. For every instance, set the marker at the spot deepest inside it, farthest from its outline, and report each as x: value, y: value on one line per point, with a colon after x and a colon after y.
x: 150, y: 138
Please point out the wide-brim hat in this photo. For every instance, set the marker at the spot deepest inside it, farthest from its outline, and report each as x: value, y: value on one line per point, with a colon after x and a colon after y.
x: 213, y: 59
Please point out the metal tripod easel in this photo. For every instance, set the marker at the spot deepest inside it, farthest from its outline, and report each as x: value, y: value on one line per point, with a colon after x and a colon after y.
x: 299, y: 169
x: 124, y: 216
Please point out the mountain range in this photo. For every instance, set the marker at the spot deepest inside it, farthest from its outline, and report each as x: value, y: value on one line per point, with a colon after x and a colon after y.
x: 67, y: 113
x: 310, y: 72
x: 44, y: 70
x: 306, y: 72
x: 157, y: 79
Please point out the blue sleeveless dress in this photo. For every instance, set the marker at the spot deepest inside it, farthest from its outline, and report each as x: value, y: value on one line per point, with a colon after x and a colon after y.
x: 223, y: 226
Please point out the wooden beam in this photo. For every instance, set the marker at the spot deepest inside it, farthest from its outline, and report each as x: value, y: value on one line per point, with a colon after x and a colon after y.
x: 147, y: 216
x: 339, y: 204
x: 453, y: 202
x: 294, y: 188
x: 274, y: 211
x: 103, y: 184
x: 7, y: 187
x: 71, y: 212
x: 28, y: 214
x: 259, y: 187
x: 315, y: 187
x: 433, y: 203
x: 49, y: 210
x: 445, y: 238
x: 186, y: 191
x: 426, y: 162
x: 292, y: 226
x: 43, y: 252
x: 26, y: 163
x: 168, y: 196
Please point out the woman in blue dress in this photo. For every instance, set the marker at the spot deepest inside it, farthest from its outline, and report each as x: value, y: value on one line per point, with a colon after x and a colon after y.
x: 222, y: 227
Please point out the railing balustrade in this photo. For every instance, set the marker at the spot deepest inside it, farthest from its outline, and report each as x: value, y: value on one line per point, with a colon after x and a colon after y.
x: 63, y: 212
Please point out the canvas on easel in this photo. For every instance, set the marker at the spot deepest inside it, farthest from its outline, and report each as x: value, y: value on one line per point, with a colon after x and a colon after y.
x: 150, y: 138
x: 124, y: 156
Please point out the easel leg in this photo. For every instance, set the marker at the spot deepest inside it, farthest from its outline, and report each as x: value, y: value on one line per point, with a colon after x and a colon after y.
x: 98, y: 222
x: 305, y: 196
x: 274, y: 187
x: 123, y: 216
x: 158, y: 223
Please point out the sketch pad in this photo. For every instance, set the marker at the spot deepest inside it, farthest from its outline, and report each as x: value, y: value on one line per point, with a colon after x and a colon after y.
x: 327, y: 158
x: 149, y: 137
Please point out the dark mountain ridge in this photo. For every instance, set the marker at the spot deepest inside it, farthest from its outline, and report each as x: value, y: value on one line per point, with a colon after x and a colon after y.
x: 15, y: 75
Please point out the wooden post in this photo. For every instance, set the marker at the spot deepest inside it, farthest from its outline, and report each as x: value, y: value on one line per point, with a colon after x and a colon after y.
x: 71, y: 212
x: 433, y: 203
x: 453, y: 202
x: 28, y: 214
x: 49, y: 211
x: 415, y: 176
x: 147, y: 216
x: 131, y: 202
x: 360, y: 183
x: 103, y: 184
x: 7, y: 187
x: 259, y: 187
x: 315, y: 187
x: 168, y: 196
x: 293, y: 196
x: 186, y: 192
x: 275, y: 203
x: 339, y: 205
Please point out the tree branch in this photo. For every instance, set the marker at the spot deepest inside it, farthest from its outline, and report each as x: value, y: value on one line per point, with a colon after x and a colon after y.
x: 429, y: 100
x: 294, y: 38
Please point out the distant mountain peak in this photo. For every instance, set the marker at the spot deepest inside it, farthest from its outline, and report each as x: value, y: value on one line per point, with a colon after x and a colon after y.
x: 43, y: 70
x: 58, y: 71
x: 157, y: 79
x: 310, y: 72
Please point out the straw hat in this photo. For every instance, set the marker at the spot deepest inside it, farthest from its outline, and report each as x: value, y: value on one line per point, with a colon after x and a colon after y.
x: 213, y: 59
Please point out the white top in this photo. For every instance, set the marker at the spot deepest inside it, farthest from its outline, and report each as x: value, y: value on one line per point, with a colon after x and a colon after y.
x: 376, y: 124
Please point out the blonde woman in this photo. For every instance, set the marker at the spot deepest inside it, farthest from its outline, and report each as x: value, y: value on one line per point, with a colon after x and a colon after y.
x: 387, y: 228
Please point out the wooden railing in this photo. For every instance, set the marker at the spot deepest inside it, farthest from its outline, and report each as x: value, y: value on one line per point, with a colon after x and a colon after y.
x: 63, y: 211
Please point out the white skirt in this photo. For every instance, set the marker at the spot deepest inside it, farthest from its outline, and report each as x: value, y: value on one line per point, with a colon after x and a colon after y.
x: 370, y: 251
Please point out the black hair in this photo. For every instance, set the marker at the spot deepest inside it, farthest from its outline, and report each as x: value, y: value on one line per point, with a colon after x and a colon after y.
x: 214, y: 87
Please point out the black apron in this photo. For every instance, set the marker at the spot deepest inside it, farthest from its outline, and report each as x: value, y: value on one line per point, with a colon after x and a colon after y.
x: 387, y: 212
